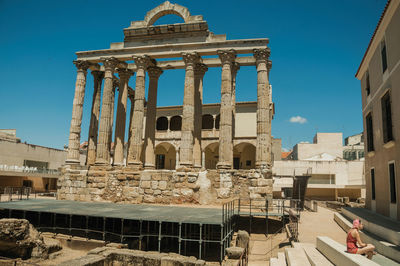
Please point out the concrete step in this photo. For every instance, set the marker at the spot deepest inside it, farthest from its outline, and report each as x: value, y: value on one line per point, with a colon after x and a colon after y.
x: 296, y: 257
x: 385, y: 227
x: 316, y: 258
x: 313, y: 255
x: 383, y: 247
x: 337, y: 254
x: 282, y: 258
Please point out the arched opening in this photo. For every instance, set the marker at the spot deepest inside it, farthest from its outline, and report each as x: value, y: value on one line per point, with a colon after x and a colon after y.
x: 165, y: 156
x: 244, y: 156
x: 211, y: 153
x: 217, y: 121
x: 162, y: 123
x: 168, y: 19
x: 175, y: 123
x: 207, y: 122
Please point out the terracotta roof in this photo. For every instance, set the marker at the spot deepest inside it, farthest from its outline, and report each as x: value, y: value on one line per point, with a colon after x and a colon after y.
x: 285, y: 154
x: 373, y: 35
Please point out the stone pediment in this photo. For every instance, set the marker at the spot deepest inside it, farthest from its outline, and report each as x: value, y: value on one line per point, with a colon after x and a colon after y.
x: 194, y: 28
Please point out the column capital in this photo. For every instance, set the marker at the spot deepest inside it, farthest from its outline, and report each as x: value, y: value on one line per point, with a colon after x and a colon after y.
x: 82, y: 65
x: 227, y: 56
x: 261, y: 55
x: 200, y: 69
x: 143, y: 61
x: 124, y: 73
x: 154, y: 72
x: 110, y: 63
x: 97, y: 74
x: 190, y: 59
x: 235, y: 68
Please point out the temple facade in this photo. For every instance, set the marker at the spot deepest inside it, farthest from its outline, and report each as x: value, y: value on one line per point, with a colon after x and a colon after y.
x: 190, y: 153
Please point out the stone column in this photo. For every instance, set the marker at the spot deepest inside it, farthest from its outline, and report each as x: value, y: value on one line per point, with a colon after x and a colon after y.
x: 235, y: 68
x: 119, y: 141
x: 103, y: 151
x: 177, y: 159
x: 95, y: 117
x: 263, y: 146
x: 186, y: 149
x: 115, y: 86
x: 77, y: 111
x: 199, y: 71
x: 225, y: 128
x: 203, y: 160
x: 135, y: 142
x: 150, y: 131
x: 131, y: 96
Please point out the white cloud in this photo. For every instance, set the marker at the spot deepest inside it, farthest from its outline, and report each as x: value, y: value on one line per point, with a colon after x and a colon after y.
x: 298, y: 119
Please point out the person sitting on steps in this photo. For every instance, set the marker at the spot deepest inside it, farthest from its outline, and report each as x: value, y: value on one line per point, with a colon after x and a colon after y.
x: 353, y: 237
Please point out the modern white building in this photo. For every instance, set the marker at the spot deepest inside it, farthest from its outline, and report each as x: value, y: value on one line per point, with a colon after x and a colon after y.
x: 331, y: 175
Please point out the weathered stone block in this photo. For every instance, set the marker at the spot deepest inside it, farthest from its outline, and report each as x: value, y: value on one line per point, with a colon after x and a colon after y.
x: 234, y: 252
x: 148, y: 191
x: 146, y: 176
x: 261, y: 182
x: 223, y: 193
x: 162, y: 185
x: 149, y: 199
x: 192, y: 179
x: 145, y: 184
x: 121, y: 177
x: 154, y: 184
x: 157, y: 192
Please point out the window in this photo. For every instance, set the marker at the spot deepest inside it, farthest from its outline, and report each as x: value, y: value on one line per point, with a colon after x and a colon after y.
x: 387, y: 118
x: 370, y: 136
x: 392, y: 180
x: 373, y: 183
x: 367, y: 84
x: 217, y: 121
x: 162, y: 123
x: 207, y: 122
x: 383, y: 55
x: 175, y: 123
x: 160, y: 161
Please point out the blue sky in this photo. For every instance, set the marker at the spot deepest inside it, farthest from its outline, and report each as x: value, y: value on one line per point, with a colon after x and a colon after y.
x: 316, y: 47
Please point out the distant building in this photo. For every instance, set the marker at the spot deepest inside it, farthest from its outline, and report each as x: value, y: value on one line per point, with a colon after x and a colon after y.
x: 354, y: 147
x: 379, y: 73
x: 331, y: 175
x: 29, y: 165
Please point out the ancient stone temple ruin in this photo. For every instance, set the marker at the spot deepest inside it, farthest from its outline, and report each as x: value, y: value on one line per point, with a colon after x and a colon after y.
x: 129, y: 170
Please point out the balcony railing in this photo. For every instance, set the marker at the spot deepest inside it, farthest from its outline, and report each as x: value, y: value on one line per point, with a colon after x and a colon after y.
x: 26, y: 169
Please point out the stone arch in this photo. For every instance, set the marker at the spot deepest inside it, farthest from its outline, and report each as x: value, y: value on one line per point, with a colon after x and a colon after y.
x: 175, y: 123
x: 162, y: 123
x: 166, y: 8
x: 165, y: 154
x: 244, y: 156
x: 211, y: 152
x: 207, y: 121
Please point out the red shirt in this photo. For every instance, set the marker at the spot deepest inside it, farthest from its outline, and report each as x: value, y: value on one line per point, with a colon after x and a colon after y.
x: 351, y: 243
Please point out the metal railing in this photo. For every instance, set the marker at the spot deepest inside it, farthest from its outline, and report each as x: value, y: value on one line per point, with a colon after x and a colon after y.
x: 16, y: 193
x: 26, y: 169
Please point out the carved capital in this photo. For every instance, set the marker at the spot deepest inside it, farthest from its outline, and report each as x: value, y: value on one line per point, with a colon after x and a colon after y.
x: 124, y: 73
x: 154, y: 72
x: 110, y: 63
x: 235, y: 69
x: 261, y: 55
x: 143, y: 61
x: 269, y: 65
x: 97, y: 74
x: 82, y: 65
x: 227, y: 56
x: 190, y: 59
x: 200, y: 69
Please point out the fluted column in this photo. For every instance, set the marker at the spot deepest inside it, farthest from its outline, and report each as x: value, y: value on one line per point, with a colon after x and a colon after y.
x: 103, y: 151
x: 150, y: 131
x: 95, y: 117
x: 115, y: 86
x: 225, y: 128
x: 119, y: 141
x: 77, y: 109
x: 131, y: 96
x: 199, y: 71
x: 135, y: 142
x: 186, y: 149
x: 235, y: 68
x: 263, y: 146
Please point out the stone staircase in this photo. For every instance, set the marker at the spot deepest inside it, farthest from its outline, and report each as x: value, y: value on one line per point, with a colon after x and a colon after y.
x: 327, y: 252
x: 379, y: 231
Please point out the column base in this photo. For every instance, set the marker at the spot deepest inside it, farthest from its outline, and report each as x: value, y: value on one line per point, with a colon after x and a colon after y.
x: 149, y: 166
x: 118, y: 164
x: 136, y: 164
x: 224, y: 165
x: 101, y: 162
x: 72, y: 161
